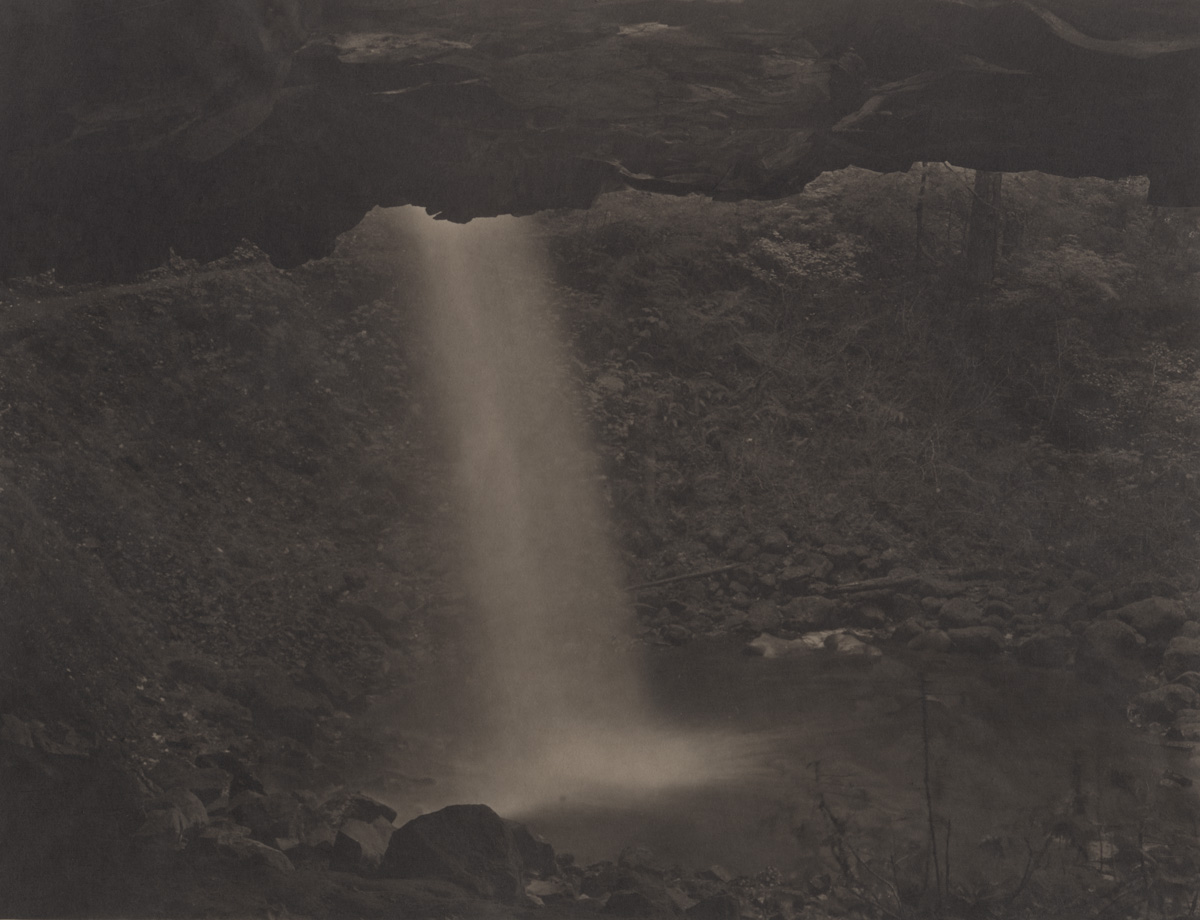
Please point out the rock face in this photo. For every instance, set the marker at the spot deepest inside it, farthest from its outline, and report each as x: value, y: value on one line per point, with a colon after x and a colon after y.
x: 146, y: 128
x: 469, y: 845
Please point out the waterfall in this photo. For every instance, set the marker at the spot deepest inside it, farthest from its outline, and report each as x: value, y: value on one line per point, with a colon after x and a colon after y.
x: 566, y: 709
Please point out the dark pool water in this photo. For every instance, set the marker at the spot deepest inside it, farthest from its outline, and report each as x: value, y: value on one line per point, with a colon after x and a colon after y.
x: 802, y: 743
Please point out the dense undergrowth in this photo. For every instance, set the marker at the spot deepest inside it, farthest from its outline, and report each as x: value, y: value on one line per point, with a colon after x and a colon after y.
x: 818, y: 359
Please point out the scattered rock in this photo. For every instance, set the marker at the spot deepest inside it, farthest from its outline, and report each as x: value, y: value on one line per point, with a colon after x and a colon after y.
x: 551, y: 891
x: 630, y: 904
x: 233, y: 844
x: 360, y: 847
x: 1188, y: 679
x: 189, y: 805
x: 364, y: 808
x: 977, y: 640
x: 1110, y: 648
x: 675, y: 634
x: 1161, y: 704
x: 716, y: 873
x: 1048, y: 648
x: 808, y: 568
x: 469, y: 845
x: 1065, y: 603
x: 1187, y: 723
x: 1153, y: 617
x: 773, y: 541
x: 908, y: 630
x: 768, y: 646
x: 537, y: 855
x: 15, y: 731
x: 163, y: 828
x: 805, y: 614
x: 868, y: 616
x: 722, y: 906
x: 846, y: 645
x: 959, y: 613
x: 641, y: 859
x: 763, y: 616
x: 998, y: 608
x: 1182, y: 655
x: 1191, y: 629
x: 932, y: 640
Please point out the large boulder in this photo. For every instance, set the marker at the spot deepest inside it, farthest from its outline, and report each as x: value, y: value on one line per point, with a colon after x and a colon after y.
x: 1182, y: 655
x: 959, y: 613
x: 1047, y: 648
x: 1110, y: 648
x: 1153, y: 617
x: 360, y: 847
x: 977, y: 640
x: 1162, y: 703
x: 469, y: 845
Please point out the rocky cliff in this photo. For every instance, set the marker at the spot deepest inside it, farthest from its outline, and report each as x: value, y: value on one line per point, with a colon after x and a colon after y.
x: 131, y: 129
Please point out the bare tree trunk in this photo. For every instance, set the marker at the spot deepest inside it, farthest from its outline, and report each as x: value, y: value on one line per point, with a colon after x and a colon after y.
x: 983, y: 233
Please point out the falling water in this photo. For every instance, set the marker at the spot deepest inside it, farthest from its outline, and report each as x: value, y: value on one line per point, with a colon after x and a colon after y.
x: 566, y: 707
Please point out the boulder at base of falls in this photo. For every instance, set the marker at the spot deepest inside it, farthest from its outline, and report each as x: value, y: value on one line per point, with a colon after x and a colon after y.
x: 469, y: 845
x: 360, y: 846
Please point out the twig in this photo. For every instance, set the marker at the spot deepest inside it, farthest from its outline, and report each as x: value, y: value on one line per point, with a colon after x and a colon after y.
x: 688, y: 576
x: 933, y: 848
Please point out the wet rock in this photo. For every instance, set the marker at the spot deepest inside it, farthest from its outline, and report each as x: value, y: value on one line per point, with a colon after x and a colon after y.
x: 932, y: 640
x: 469, y: 845
x: 537, y: 855
x: 1048, y: 648
x: 551, y: 891
x: 360, y: 847
x: 959, y: 613
x: 763, y: 616
x: 723, y: 906
x: 977, y: 640
x: 364, y: 808
x: 1162, y: 703
x: 1182, y: 655
x: 1153, y: 617
x: 845, y: 645
x: 806, y: 614
x: 1109, y: 648
x: 908, y: 630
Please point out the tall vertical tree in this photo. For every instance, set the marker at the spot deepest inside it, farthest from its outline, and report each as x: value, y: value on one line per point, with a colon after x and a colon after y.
x: 983, y: 232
